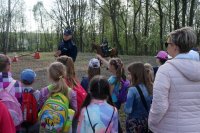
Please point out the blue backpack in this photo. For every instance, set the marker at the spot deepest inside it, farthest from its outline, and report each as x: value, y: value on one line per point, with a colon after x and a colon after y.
x: 122, y: 95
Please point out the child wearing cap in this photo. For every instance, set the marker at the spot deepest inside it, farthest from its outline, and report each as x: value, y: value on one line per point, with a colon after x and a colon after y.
x: 27, y: 79
x: 93, y: 69
x: 161, y: 58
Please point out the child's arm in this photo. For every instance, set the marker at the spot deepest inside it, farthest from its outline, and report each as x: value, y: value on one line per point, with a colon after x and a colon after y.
x: 102, y: 59
x: 73, y: 100
x: 44, y: 92
x: 129, y: 101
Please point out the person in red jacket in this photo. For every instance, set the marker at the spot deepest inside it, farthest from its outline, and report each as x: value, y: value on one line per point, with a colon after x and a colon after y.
x: 6, y: 122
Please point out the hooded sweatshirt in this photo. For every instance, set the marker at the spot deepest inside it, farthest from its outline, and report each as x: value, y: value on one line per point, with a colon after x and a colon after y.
x: 176, y: 97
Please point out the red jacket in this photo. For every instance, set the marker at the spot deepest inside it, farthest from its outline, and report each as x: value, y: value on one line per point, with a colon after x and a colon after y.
x: 6, y: 122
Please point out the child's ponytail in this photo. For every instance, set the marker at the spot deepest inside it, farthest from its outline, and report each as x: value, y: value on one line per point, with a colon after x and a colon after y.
x: 70, y: 70
x: 119, y: 66
x: 57, y: 73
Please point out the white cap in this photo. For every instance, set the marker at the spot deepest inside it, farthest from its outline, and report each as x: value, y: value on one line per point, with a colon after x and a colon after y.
x: 94, y: 63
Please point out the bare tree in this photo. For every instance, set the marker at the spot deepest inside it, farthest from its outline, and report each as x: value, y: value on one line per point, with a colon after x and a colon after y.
x: 176, y: 14
x: 192, y: 9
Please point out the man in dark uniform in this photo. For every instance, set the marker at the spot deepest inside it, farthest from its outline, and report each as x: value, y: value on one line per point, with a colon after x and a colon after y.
x: 67, y: 46
x: 104, y: 47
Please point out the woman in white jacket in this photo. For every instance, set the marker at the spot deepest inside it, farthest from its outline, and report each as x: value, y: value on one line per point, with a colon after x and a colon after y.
x: 176, y: 91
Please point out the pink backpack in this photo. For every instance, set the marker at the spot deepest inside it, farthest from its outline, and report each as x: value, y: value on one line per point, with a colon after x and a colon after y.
x: 12, y: 104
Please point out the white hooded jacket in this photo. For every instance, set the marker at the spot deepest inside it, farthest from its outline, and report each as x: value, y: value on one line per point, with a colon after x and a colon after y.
x: 176, y: 98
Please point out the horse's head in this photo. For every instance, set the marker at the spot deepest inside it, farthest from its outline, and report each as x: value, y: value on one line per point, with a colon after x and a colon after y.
x: 94, y: 46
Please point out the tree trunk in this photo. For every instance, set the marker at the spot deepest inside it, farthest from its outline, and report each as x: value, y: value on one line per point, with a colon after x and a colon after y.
x: 161, y: 23
x: 126, y: 28
x: 191, y: 13
x: 176, y: 18
x: 134, y: 26
x: 184, y: 9
x: 115, y: 35
x: 170, y: 15
x: 146, y: 26
x: 113, y: 5
x: 5, y: 50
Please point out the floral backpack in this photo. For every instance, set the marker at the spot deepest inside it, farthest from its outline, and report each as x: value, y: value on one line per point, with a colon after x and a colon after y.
x: 55, y: 115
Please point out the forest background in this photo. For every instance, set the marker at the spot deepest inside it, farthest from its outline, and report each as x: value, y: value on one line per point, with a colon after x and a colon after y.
x: 135, y: 27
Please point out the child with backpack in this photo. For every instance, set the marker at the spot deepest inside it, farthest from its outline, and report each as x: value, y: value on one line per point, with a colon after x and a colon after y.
x: 10, y: 91
x: 6, y: 122
x: 93, y: 69
x: 98, y: 116
x: 55, y: 115
x: 117, y: 79
x: 30, y: 100
x: 139, y: 98
x: 73, y: 83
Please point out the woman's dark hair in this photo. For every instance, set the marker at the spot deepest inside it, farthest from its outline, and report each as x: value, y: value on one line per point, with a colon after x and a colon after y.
x: 162, y: 61
x: 99, y: 88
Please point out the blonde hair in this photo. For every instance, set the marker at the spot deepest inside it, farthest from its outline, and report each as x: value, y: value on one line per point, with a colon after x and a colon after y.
x: 70, y: 75
x: 140, y: 74
x: 57, y: 73
x: 150, y: 72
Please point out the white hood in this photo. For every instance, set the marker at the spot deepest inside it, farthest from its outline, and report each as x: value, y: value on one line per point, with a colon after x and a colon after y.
x: 189, y: 68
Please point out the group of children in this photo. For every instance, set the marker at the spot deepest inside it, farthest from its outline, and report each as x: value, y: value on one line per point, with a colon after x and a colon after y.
x: 66, y: 105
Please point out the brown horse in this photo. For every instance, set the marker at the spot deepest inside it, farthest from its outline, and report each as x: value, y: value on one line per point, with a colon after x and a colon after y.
x: 112, y: 53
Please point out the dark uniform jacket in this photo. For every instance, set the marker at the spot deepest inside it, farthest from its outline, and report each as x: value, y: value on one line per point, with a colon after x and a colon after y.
x: 68, y: 48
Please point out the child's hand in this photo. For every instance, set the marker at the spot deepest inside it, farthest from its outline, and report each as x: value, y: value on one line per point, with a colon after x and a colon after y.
x: 99, y: 56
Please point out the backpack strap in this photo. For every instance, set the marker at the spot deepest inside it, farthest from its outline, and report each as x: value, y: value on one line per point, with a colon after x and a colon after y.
x: 65, y: 100
x: 12, y: 83
x: 142, y: 98
x: 108, y: 123
x: 110, y: 120
x: 90, y: 121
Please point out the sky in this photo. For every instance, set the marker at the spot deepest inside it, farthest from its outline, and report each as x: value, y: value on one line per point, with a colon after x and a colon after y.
x: 31, y: 24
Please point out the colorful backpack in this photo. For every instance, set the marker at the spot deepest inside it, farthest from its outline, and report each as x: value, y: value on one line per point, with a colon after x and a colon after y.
x: 12, y: 104
x: 29, y: 107
x: 54, y: 115
x: 122, y: 95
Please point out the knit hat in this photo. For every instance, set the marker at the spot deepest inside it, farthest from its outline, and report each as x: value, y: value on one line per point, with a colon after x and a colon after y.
x: 94, y: 63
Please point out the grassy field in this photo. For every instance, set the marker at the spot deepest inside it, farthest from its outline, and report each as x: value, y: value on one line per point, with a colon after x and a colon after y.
x: 81, y: 64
